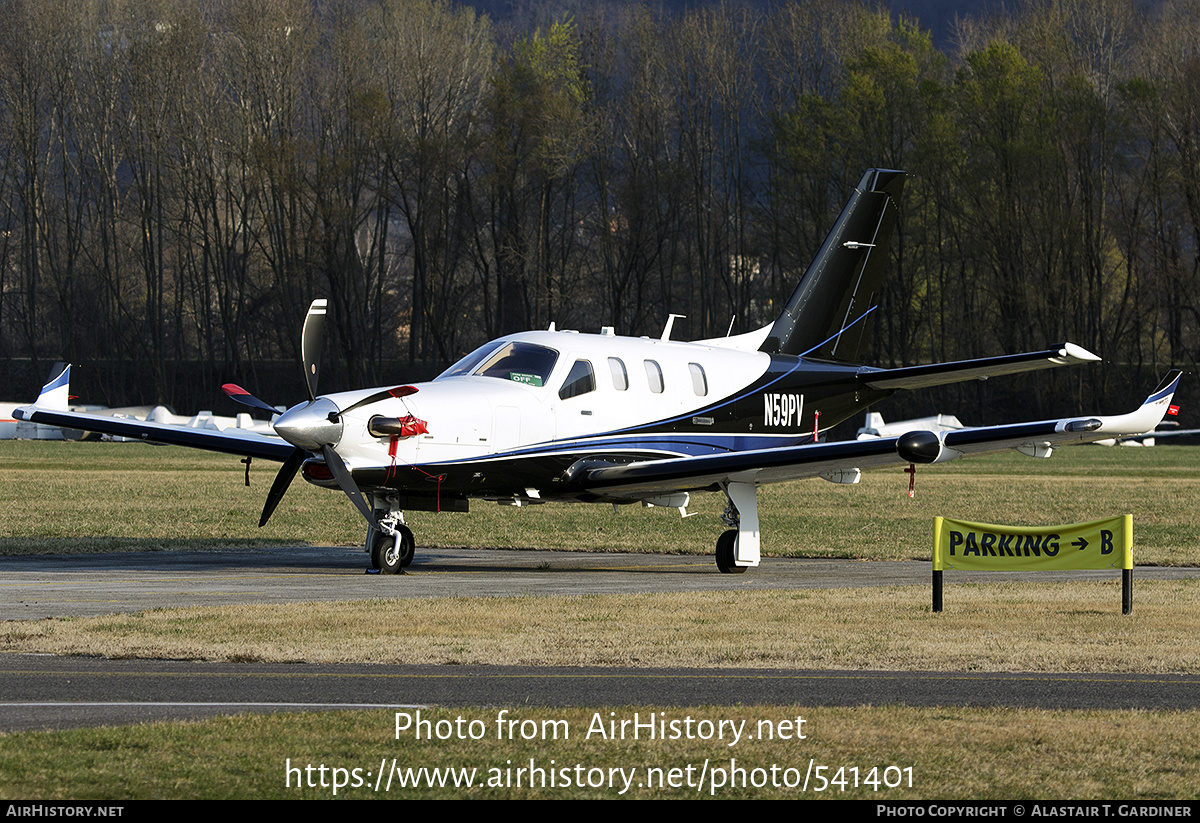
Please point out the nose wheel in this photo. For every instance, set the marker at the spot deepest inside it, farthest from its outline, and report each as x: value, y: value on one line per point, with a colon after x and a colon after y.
x: 391, y: 555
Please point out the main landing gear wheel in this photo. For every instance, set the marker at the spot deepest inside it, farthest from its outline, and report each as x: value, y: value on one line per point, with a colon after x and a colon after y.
x: 387, y: 558
x: 726, y: 551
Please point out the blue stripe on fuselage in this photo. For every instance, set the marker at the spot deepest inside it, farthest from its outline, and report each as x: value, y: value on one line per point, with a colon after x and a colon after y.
x: 668, y: 445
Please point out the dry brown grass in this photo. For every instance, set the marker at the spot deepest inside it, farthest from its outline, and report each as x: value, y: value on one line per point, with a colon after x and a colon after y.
x: 993, y: 627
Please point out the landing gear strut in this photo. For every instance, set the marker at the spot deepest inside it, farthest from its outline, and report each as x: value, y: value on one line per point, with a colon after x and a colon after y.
x: 737, y: 549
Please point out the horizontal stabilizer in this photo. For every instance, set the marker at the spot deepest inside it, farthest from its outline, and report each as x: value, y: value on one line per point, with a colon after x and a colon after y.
x: 939, y: 374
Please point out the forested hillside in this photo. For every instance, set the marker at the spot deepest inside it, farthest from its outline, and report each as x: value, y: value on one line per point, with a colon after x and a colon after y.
x: 178, y: 179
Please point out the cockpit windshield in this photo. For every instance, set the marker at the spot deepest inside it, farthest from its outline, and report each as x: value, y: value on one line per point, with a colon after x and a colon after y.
x: 519, y: 362
x: 468, y: 363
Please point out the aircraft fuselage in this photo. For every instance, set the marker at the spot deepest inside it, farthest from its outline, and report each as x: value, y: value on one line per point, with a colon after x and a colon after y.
x: 513, y: 429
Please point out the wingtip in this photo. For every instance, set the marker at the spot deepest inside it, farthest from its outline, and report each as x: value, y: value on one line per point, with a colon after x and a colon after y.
x: 1071, y: 353
x: 1142, y: 419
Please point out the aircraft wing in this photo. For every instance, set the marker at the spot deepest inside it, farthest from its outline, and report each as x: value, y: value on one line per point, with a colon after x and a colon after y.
x: 763, y: 466
x: 229, y: 441
x: 939, y: 374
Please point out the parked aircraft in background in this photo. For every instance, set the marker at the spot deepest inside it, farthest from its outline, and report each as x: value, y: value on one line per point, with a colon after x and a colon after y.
x: 24, y: 430
x: 600, y: 418
x: 875, y: 427
x: 11, y: 429
x: 1165, y: 431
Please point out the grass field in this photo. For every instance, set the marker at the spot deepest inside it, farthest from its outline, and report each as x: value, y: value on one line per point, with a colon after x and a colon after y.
x: 68, y: 497
x: 960, y: 753
x: 80, y: 497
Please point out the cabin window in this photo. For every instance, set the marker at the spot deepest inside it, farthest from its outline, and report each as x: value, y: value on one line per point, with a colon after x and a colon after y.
x: 581, y: 380
x: 521, y: 363
x: 699, y: 380
x: 654, y: 376
x: 620, y: 377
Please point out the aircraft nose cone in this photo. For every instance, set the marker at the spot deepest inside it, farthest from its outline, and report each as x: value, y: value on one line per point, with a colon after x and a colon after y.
x: 308, y: 426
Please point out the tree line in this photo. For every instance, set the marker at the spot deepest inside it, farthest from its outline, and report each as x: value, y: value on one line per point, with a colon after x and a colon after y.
x: 179, y: 179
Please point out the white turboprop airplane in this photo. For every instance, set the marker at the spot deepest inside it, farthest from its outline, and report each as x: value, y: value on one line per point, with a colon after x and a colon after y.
x: 599, y: 418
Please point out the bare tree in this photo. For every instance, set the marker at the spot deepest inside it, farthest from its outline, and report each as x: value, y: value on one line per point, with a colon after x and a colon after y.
x: 433, y: 63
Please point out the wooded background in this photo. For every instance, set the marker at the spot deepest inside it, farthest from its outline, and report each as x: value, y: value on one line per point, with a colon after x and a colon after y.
x: 180, y: 178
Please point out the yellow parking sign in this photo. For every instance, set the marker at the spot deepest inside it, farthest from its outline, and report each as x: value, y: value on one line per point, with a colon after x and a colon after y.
x: 1100, y: 544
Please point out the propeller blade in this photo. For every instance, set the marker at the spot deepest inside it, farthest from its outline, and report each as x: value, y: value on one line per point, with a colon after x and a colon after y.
x: 347, y: 484
x: 310, y: 344
x: 282, y: 481
x: 310, y: 350
x: 398, y: 391
x: 239, y: 395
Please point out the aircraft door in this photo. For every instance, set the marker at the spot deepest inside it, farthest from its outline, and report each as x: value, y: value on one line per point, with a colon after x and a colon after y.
x: 506, y: 428
x: 574, y: 403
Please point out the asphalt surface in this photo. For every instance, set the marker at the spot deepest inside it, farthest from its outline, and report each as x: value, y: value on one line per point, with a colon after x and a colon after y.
x: 32, y: 588
x: 52, y: 692
x: 38, y: 691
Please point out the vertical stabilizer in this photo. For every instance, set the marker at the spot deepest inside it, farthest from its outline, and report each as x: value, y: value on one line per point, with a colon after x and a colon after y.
x: 826, y: 316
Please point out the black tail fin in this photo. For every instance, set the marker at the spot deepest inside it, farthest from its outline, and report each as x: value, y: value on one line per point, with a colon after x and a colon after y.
x: 824, y: 317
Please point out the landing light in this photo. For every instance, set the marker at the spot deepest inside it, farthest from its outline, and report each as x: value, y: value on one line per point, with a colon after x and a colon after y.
x: 316, y: 471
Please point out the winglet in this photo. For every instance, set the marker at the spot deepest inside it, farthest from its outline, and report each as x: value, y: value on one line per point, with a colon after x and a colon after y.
x: 1144, y: 418
x: 55, y: 395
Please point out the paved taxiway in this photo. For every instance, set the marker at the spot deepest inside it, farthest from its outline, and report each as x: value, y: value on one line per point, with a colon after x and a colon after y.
x: 81, y: 585
x: 42, y: 691
x: 61, y: 692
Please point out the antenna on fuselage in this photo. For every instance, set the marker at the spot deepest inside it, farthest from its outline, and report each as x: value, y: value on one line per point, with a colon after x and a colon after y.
x: 729, y: 330
x: 666, y: 335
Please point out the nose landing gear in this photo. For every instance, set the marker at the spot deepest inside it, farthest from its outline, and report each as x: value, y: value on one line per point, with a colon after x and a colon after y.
x: 391, y: 547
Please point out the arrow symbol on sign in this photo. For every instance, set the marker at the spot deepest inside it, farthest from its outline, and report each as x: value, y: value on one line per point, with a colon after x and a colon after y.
x: 1081, y: 543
